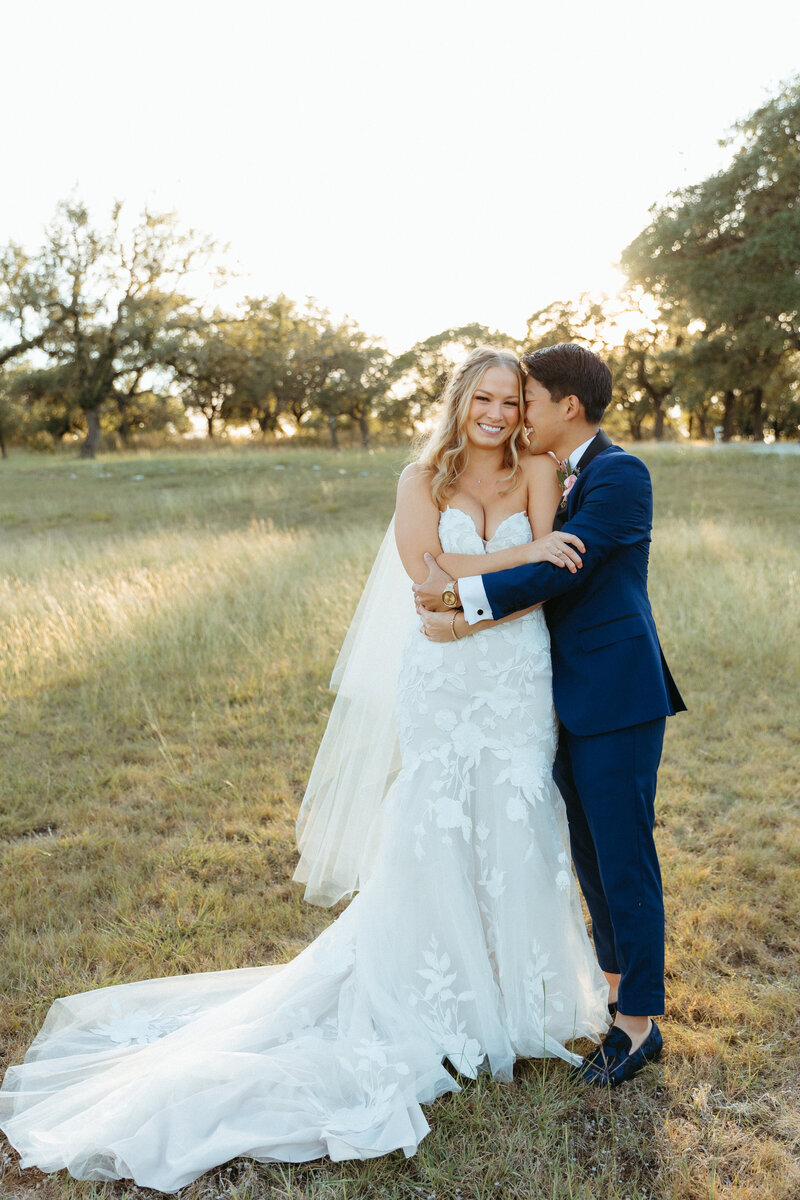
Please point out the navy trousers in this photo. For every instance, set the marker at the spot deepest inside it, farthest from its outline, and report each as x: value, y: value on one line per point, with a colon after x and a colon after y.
x: 608, y: 782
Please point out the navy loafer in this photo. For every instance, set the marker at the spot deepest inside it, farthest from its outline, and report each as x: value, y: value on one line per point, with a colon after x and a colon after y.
x: 612, y: 1062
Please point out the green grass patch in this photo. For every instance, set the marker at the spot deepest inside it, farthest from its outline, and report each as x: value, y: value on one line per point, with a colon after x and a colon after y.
x: 169, y: 622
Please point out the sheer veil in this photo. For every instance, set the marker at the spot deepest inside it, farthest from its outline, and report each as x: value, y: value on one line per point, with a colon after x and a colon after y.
x: 359, y: 756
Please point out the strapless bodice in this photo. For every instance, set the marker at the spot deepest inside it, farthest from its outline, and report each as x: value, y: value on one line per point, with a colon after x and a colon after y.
x: 458, y: 534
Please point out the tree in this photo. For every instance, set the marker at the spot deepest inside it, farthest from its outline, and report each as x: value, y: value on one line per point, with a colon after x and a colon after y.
x: 30, y: 313
x: 48, y: 396
x: 292, y: 361
x: 782, y: 399
x: 30, y: 309
x: 268, y: 335
x: 726, y: 251
x: 12, y: 416
x: 314, y: 351
x: 583, y: 321
x: 105, y: 303
x: 206, y: 362
x: 356, y: 383
x: 645, y: 368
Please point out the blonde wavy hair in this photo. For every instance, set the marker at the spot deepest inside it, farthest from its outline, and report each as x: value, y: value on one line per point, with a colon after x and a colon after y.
x: 446, y: 450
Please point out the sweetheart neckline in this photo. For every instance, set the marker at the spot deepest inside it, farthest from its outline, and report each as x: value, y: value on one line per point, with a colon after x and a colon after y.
x: 454, y: 508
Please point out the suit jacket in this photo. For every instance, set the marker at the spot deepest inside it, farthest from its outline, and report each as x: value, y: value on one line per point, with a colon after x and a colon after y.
x: 608, y: 669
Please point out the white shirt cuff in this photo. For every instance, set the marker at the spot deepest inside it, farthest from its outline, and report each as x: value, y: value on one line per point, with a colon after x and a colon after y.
x: 473, y: 599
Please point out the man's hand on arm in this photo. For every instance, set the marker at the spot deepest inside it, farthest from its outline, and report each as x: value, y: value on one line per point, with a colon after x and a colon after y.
x: 428, y: 594
x: 560, y: 549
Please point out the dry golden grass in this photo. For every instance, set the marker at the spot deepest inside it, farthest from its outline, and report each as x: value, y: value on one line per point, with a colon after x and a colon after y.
x: 163, y: 681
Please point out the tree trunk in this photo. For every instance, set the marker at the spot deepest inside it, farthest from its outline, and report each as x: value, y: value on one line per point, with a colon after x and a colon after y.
x: 3, y: 451
x: 92, y: 444
x: 727, y: 416
x: 210, y: 424
x: 334, y: 433
x: 658, y: 428
x: 757, y: 413
x: 363, y: 425
x: 124, y: 427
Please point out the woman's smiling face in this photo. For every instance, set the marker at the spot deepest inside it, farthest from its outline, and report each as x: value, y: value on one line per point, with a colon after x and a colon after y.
x: 494, y: 412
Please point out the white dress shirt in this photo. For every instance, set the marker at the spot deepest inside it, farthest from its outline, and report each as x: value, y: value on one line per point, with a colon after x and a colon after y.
x: 471, y: 591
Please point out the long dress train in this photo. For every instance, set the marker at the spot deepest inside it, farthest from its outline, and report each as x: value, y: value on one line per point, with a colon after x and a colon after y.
x: 465, y: 945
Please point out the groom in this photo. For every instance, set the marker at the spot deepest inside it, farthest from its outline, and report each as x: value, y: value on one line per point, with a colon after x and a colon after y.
x: 611, y: 686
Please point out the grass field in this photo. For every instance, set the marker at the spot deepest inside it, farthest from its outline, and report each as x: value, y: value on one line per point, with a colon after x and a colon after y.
x: 163, y: 686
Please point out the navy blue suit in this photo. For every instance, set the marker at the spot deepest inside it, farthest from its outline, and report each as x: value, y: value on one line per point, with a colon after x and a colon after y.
x: 613, y: 691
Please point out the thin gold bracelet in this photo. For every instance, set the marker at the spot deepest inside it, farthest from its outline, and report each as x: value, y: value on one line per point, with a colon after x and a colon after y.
x: 456, y: 638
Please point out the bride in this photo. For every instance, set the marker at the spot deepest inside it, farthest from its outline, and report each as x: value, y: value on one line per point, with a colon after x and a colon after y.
x: 464, y: 948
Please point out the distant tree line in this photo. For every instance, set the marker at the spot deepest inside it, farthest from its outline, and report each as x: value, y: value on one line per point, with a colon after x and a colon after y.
x: 101, y: 338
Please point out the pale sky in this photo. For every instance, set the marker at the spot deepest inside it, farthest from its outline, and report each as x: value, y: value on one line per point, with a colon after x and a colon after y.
x: 415, y: 165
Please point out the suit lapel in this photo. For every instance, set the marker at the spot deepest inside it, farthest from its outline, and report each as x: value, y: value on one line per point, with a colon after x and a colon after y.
x: 599, y: 443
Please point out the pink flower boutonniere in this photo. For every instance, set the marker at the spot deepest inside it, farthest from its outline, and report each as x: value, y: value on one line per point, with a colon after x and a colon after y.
x: 566, y: 479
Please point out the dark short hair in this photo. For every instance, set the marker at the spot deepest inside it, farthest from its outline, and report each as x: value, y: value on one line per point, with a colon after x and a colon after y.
x: 570, y: 370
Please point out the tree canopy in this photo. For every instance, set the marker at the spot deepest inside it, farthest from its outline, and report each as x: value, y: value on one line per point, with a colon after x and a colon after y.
x: 722, y: 257
x: 100, y: 334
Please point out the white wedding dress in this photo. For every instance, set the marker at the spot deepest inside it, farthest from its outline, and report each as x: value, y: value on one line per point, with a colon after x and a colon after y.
x: 466, y: 946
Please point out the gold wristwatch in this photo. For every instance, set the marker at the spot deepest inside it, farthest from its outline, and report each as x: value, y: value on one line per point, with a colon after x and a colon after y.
x: 450, y: 596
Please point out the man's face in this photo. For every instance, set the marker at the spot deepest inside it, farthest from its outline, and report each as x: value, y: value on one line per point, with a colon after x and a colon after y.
x: 543, y: 417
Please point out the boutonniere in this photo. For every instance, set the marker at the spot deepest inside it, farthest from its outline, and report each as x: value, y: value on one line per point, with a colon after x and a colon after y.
x: 566, y: 479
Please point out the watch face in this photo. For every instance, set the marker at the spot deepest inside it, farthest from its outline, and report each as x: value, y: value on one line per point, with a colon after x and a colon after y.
x: 449, y: 596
